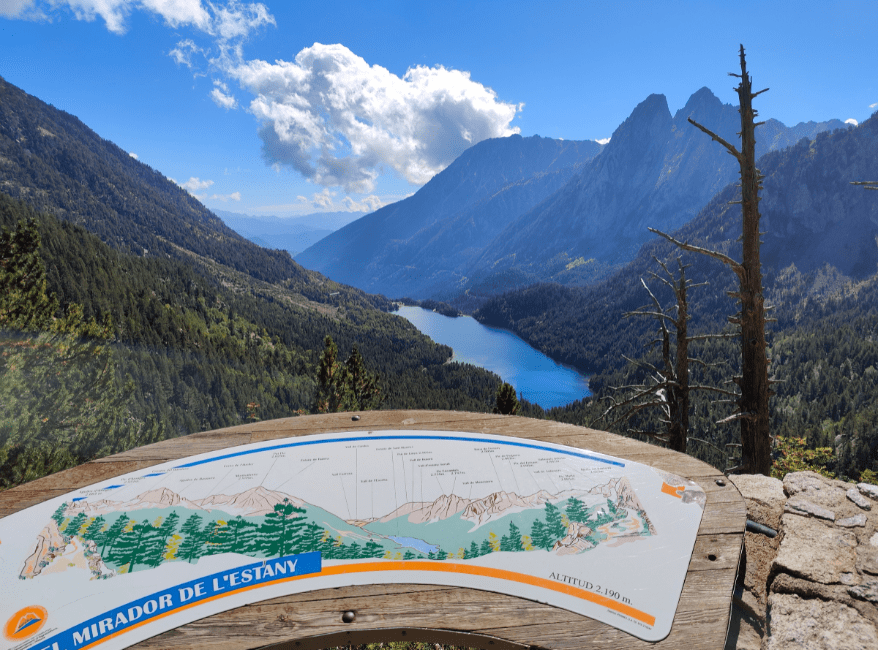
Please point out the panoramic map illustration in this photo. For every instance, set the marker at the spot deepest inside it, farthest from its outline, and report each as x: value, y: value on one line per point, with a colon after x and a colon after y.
x: 593, y: 534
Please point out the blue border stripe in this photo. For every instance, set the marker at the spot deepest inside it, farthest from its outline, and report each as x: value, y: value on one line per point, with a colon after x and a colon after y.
x: 361, y: 438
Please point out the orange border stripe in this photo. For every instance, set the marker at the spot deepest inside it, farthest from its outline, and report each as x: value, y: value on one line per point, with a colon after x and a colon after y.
x: 414, y: 565
x: 673, y: 490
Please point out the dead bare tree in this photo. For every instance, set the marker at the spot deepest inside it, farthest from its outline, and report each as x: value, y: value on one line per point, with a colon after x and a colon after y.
x: 753, y: 382
x: 667, y: 388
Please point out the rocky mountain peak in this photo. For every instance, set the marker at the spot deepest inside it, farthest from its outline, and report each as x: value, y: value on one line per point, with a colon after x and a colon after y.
x: 701, y: 102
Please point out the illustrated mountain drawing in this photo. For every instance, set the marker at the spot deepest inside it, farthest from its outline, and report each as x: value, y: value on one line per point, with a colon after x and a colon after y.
x: 111, y: 537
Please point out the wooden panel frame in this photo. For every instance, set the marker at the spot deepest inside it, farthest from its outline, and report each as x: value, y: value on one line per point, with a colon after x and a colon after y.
x: 440, y: 614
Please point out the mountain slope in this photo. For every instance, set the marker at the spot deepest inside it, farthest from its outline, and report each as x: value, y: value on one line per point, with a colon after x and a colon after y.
x: 367, y: 252
x: 819, y: 267
x: 53, y: 161
x: 205, y: 329
x: 812, y: 217
x: 657, y: 170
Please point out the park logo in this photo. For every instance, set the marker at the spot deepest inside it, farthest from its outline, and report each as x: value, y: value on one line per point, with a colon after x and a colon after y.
x: 25, y: 622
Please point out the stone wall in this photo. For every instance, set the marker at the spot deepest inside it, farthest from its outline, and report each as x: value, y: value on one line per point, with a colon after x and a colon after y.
x: 815, y: 585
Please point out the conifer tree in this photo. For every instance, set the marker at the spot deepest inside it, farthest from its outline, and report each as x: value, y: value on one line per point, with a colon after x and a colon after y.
x: 364, y: 387
x: 333, y: 387
x: 138, y: 546
x: 192, y: 546
x: 58, y: 515
x: 514, y: 537
x: 167, y: 528
x: 24, y: 302
x: 507, y: 401
x: 238, y: 536
x: 62, y: 403
x: 280, y: 529
x: 75, y: 524
x: 113, y: 534
x: 95, y: 530
x: 344, y: 387
x: 575, y: 510
x: 554, y: 526
x: 539, y: 535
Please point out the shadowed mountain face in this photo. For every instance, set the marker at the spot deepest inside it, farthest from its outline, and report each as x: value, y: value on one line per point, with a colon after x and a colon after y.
x: 657, y: 171
x: 517, y: 210
x: 424, y: 239
x: 812, y: 217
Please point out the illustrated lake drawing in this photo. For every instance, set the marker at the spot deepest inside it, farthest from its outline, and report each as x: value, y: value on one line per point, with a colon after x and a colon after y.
x: 590, y: 533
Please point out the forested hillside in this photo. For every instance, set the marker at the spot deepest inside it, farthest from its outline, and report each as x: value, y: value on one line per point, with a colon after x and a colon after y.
x: 819, y: 261
x: 54, y: 162
x: 175, y: 348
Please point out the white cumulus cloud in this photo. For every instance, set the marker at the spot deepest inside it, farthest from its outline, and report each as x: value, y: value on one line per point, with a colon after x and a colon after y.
x: 873, y: 105
x: 340, y: 122
x: 133, y: 155
x: 221, y: 97
x: 603, y: 141
x: 851, y: 121
x: 367, y: 204
x: 195, y: 184
x: 323, y: 199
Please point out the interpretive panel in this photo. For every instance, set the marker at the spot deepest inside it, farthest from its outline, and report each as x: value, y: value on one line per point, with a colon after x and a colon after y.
x: 126, y: 559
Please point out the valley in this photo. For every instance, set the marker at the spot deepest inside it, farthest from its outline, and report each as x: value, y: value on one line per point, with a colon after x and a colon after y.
x: 543, y: 238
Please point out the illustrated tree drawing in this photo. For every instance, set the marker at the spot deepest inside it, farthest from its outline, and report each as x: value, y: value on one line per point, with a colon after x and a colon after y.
x: 754, y: 384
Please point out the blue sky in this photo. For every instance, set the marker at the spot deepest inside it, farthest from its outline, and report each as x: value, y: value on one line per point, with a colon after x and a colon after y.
x: 294, y: 107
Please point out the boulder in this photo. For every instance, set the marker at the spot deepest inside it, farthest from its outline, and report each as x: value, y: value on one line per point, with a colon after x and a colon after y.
x: 867, y: 560
x: 815, y: 624
x: 764, y: 495
x: 857, y: 521
x: 866, y: 591
x: 859, y: 499
x: 798, y: 505
x: 869, y: 490
x: 817, y: 489
x: 815, y: 551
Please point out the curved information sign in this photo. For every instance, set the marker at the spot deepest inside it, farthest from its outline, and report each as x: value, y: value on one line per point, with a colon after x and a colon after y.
x: 123, y: 560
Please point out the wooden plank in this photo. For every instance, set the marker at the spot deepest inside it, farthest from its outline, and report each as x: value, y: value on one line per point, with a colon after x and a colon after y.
x: 389, y: 610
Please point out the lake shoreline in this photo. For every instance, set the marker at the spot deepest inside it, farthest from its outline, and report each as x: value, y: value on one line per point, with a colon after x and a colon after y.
x: 535, y: 376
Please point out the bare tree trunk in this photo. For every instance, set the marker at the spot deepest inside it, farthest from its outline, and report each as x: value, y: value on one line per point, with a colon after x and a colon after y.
x: 753, y: 403
x: 680, y: 428
x: 753, y: 383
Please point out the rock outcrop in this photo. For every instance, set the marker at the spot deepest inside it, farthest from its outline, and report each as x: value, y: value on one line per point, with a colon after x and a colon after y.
x: 815, y: 585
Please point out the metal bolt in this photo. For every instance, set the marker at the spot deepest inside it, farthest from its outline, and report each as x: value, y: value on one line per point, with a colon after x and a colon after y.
x: 355, y: 418
x: 348, y: 617
x: 720, y: 482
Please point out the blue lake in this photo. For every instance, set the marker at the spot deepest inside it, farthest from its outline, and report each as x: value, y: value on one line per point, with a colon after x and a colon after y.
x: 534, y: 375
x: 415, y: 543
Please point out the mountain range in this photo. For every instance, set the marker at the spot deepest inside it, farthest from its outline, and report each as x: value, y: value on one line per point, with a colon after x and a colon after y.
x: 408, y: 246
x: 292, y: 234
x: 573, y: 221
